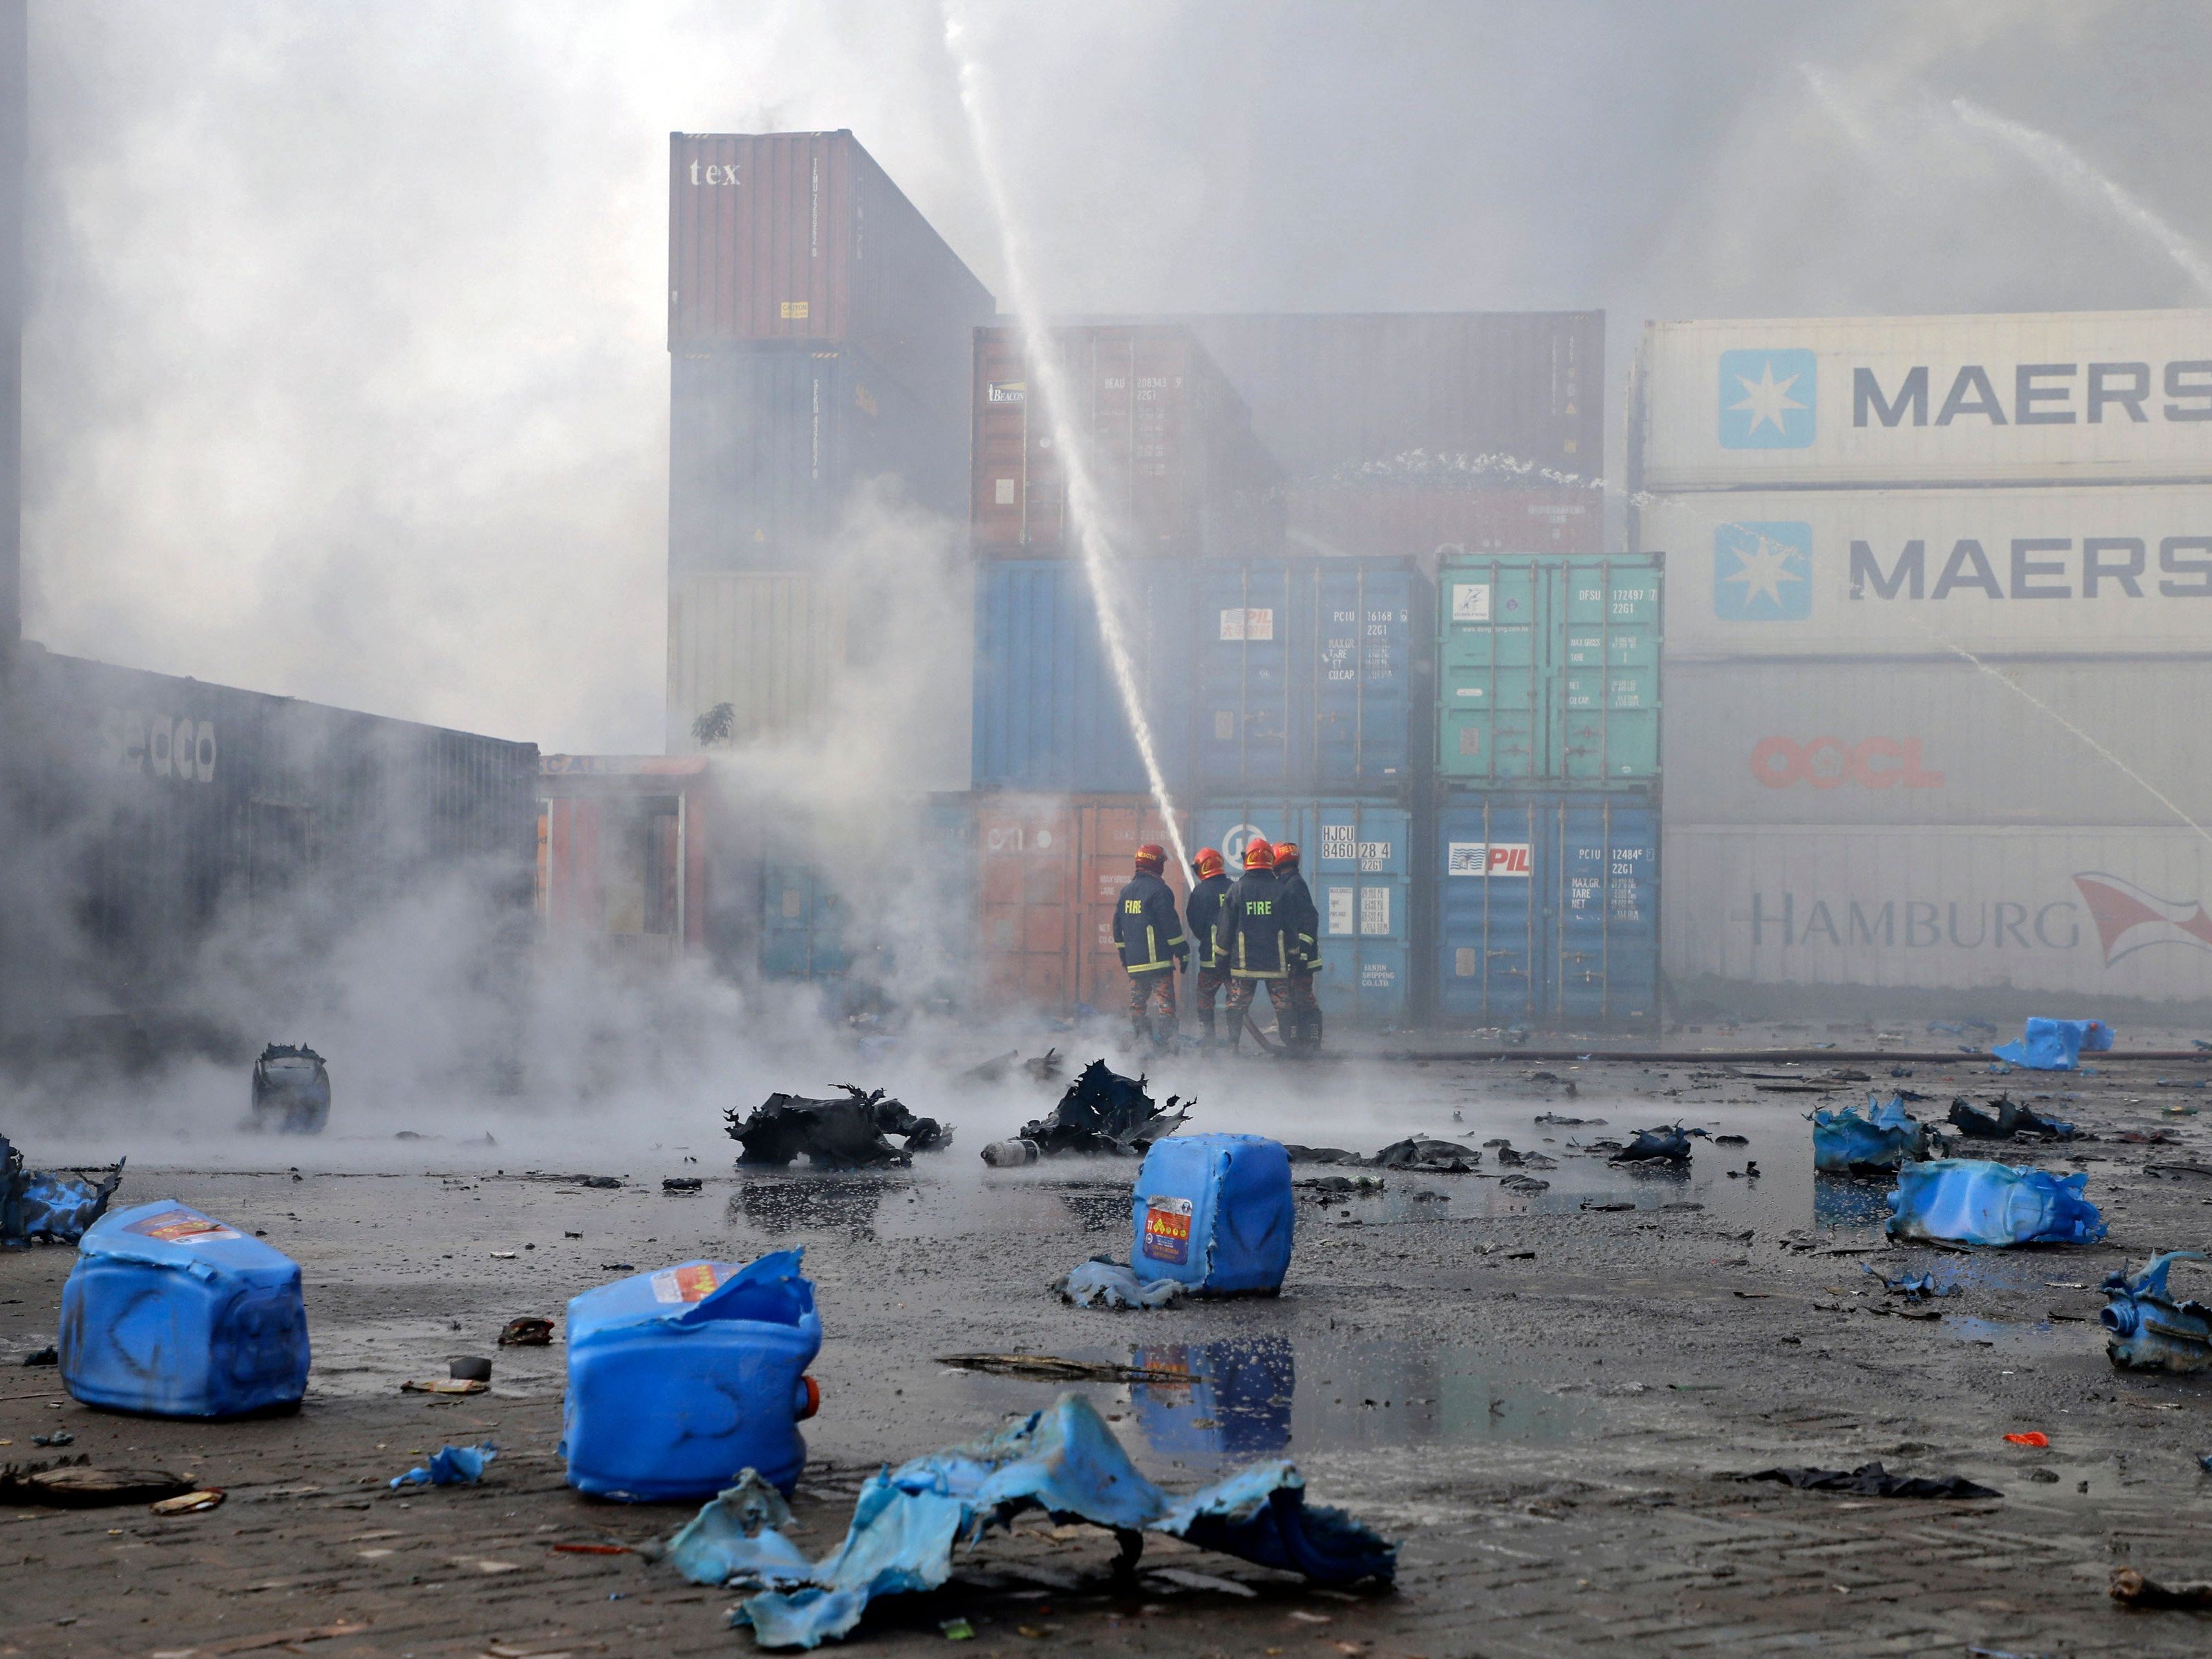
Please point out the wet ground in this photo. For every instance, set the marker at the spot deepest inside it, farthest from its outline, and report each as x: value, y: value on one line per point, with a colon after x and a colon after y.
x: 1540, y: 1392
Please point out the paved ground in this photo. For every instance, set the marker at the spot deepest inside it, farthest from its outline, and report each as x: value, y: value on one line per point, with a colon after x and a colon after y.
x: 1537, y: 1397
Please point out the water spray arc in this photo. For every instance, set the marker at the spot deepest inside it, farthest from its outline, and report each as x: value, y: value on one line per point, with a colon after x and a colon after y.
x: 1086, y: 508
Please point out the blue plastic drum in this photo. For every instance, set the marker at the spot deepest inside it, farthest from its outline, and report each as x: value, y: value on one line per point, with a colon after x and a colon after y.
x: 1214, y: 1213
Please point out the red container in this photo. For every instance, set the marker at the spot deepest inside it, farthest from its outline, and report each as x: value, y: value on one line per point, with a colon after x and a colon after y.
x: 1177, y: 464
x: 622, y: 849
x: 1520, y: 391
x: 1427, y: 522
x: 800, y: 237
x: 1051, y: 868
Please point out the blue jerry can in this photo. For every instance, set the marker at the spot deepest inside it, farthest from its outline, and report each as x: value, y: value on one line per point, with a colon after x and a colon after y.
x: 680, y: 1380
x: 1214, y: 1213
x: 174, y: 1313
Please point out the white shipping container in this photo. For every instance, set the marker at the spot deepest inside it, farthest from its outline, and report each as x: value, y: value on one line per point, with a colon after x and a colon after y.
x: 2096, y: 741
x: 1931, y: 572
x: 2106, y: 396
x: 2089, y: 912
x: 768, y: 643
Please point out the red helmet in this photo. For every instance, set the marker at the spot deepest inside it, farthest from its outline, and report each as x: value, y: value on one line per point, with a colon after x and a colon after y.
x: 1151, y: 858
x: 1208, y: 863
x: 1259, y: 855
x: 1286, y: 853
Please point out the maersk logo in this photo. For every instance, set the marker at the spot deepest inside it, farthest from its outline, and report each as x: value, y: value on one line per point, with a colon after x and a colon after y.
x: 1767, y: 399
x: 1763, y: 572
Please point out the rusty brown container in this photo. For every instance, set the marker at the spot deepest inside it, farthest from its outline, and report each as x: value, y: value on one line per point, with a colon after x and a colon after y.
x: 801, y: 238
x: 1178, y: 468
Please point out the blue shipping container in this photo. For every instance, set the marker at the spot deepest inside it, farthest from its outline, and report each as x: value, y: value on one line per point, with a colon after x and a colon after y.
x: 1355, y: 857
x: 766, y: 446
x: 1049, y: 716
x: 1547, y: 908
x: 1306, y: 673
x: 802, y: 924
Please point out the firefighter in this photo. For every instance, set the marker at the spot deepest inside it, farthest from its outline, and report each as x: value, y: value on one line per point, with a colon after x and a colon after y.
x: 1209, y: 888
x: 1150, y: 936
x: 1250, y: 937
x: 1303, y: 924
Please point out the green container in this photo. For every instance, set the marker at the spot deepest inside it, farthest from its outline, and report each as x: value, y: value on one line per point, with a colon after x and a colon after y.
x: 1547, y: 670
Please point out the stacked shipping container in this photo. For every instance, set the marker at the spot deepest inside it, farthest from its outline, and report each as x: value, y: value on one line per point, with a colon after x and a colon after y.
x: 1940, y: 607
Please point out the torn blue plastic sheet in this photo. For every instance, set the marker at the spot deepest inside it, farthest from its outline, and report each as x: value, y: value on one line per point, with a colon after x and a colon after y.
x: 1970, y: 1202
x: 1064, y: 1461
x: 450, y: 1465
x: 1104, y: 1283
x: 38, y: 1204
x: 2056, y: 1045
x: 2146, y: 1330
x: 1885, y: 1137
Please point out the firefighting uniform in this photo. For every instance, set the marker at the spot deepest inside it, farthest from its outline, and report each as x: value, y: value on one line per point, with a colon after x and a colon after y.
x: 1303, y: 921
x: 1252, y: 938
x: 1150, y: 935
x: 1203, y: 913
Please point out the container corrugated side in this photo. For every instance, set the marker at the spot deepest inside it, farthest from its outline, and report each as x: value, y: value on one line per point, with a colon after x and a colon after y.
x: 624, y: 851
x: 2087, y: 913
x: 801, y: 237
x: 1430, y: 522
x: 768, y: 445
x: 1309, y: 675
x: 2088, y: 396
x: 1547, y: 909
x: 2103, y: 741
x: 1357, y: 860
x: 1511, y: 391
x: 1177, y: 469
x: 1047, y: 713
x: 1933, y: 572
x: 771, y: 645
x: 1547, y: 670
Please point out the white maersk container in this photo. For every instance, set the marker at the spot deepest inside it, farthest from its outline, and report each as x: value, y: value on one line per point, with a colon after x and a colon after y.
x: 2112, y: 397
x: 2050, y: 742
x: 1932, y: 572
x: 2091, y: 916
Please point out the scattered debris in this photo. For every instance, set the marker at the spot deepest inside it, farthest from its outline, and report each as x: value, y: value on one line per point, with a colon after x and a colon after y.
x: 1064, y: 1461
x: 2056, y: 1045
x: 1668, y: 1143
x: 1972, y: 1201
x: 291, y: 1090
x: 1872, y: 1481
x: 1524, y: 1184
x: 2147, y: 1329
x: 1325, y: 1187
x: 76, y: 1485
x: 1731, y: 1140
x: 192, y: 1502
x: 711, y: 1545
x: 1885, y: 1137
x: 41, y: 1206
x: 1104, y: 1282
x: 469, y: 1369
x: 598, y: 1183
x: 1051, y: 1368
x: 58, y: 1437
x: 450, y: 1465
x: 682, y: 1184
x: 2031, y: 1437
x: 2011, y: 1119
x: 457, y: 1385
x: 527, y: 1332
x: 1554, y: 1118
x: 834, y: 1134
x: 1913, y: 1287
x: 48, y: 1355
x: 2130, y: 1589
x: 1105, y: 1113
x: 1043, y: 1067
x: 1434, y: 1157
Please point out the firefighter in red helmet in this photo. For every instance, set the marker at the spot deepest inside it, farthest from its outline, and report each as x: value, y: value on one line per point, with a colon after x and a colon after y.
x: 1251, y: 937
x: 1150, y: 935
x: 1209, y: 888
x: 1303, y: 927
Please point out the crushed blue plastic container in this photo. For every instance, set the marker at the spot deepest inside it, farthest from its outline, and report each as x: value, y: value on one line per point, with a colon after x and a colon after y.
x: 680, y: 1380
x: 1971, y: 1200
x: 1214, y: 1213
x: 175, y: 1314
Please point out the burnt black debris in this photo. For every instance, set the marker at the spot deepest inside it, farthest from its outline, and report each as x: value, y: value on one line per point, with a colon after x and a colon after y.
x: 1104, y: 1113
x: 1872, y: 1481
x: 291, y: 1090
x: 76, y: 1485
x: 1416, y: 1153
x: 1667, y: 1144
x: 835, y: 1134
x: 2010, y: 1118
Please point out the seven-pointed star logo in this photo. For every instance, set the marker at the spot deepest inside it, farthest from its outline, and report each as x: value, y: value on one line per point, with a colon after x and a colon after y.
x: 1767, y: 399
x: 1763, y: 572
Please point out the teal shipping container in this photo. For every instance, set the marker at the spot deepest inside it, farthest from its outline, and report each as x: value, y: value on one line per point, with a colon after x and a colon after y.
x: 1354, y: 855
x: 802, y: 924
x: 1547, y: 670
x: 1547, y: 908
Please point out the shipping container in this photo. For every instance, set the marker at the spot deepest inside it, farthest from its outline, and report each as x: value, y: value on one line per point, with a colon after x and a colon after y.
x: 1169, y: 445
x: 625, y: 852
x: 1049, y: 870
x: 1548, y: 910
x: 800, y: 238
x: 160, y: 812
x: 768, y: 448
x: 1508, y: 395
x: 1311, y: 674
x: 2076, y: 398
x: 1870, y: 741
x: 1356, y: 858
x: 1547, y: 670
x: 1935, y: 572
x: 769, y: 644
x: 2096, y: 914
x: 1432, y: 522
x: 1048, y: 712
